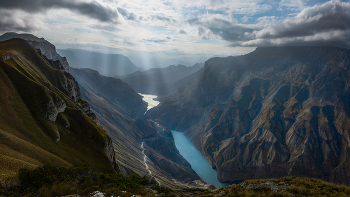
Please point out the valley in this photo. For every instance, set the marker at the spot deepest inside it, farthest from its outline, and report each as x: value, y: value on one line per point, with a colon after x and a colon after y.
x: 275, y: 112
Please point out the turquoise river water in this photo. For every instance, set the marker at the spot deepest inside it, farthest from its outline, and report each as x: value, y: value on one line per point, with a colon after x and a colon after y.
x: 198, y: 162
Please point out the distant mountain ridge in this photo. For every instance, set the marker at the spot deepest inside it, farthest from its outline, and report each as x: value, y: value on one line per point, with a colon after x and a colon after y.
x: 47, y: 49
x: 277, y: 111
x: 107, y: 64
x: 159, y: 81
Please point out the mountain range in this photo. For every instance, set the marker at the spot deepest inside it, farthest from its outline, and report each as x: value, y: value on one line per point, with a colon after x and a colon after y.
x: 159, y: 81
x: 277, y: 111
x: 107, y: 64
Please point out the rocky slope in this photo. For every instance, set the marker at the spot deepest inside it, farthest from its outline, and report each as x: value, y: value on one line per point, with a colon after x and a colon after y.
x: 40, y: 120
x: 47, y: 49
x: 159, y: 81
x: 137, y: 141
x: 275, y: 112
x: 106, y: 64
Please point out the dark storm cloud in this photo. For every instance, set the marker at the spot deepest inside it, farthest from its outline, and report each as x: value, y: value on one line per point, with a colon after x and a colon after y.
x: 92, y: 9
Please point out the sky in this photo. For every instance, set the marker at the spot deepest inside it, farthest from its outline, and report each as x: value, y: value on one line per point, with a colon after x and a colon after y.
x: 162, y: 32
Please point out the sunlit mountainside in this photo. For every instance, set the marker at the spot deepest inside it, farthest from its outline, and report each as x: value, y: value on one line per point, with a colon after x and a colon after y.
x: 40, y: 121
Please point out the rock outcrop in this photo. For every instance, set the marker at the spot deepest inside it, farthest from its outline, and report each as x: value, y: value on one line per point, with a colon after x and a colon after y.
x: 55, y: 106
x: 70, y: 87
x: 278, y: 111
x: 85, y: 106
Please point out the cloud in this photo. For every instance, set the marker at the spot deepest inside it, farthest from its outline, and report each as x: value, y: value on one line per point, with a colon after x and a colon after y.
x: 91, y: 9
x: 328, y: 24
x: 181, y: 31
x: 249, y: 7
x: 321, y: 24
x: 222, y: 26
x: 19, y: 21
x: 127, y: 15
x: 164, y: 19
x: 156, y: 40
x: 108, y: 28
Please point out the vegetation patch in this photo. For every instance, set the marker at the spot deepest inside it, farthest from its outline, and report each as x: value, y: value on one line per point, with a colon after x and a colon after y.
x: 287, y: 186
x: 51, y: 180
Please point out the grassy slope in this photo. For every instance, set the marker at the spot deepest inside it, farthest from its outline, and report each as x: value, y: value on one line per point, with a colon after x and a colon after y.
x: 27, y: 82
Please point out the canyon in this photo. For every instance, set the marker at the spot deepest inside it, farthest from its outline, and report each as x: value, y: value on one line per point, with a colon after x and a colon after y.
x: 277, y: 111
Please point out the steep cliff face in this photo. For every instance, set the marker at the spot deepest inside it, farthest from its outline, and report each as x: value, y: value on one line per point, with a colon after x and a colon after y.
x: 39, y: 122
x: 275, y: 112
x: 115, y: 90
x: 68, y: 85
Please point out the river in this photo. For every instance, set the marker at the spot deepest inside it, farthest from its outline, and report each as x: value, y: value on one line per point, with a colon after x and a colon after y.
x: 198, y: 162
x: 149, y: 98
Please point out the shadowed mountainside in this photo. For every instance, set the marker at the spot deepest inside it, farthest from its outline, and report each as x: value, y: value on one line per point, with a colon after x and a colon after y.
x: 159, y: 81
x: 277, y: 111
x: 40, y: 119
x: 107, y: 64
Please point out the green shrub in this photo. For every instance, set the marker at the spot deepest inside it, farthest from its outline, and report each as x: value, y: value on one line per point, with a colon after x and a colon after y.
x: 162, y: 190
